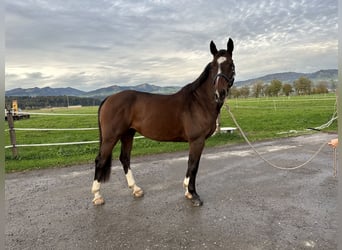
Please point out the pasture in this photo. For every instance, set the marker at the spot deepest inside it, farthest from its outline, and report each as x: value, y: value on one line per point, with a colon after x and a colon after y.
x: 260, y: 118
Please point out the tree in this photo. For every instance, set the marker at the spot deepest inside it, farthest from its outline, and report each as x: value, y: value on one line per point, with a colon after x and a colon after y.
x: 303, y: 86
x: 333, y: 85
x: 267, y: 90
x: 234, y: 92
x: 257, y: 88
x: 287, y: 89
x: 275, y: 87
x: 244, y: 91
x: 321, y: 88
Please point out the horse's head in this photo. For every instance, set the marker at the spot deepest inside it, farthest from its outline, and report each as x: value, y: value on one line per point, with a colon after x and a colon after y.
x: 223, y: 70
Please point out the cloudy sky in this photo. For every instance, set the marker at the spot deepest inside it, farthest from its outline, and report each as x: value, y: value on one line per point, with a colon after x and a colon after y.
x: 91, y: 44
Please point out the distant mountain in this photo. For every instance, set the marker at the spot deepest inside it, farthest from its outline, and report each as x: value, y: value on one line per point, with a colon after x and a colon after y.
x: 47, y: 91
x: 142, y: 87
x: 99, y: 93
x: 328, y: 74
x: 287, y: 77
x: 290, y: 77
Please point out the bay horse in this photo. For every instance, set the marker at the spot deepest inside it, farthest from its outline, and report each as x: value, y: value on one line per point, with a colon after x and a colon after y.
x: 186, y: 116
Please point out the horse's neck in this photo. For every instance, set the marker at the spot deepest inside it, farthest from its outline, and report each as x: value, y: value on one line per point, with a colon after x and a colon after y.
x: 205, y: 90
x: 205, y: 95
x: 201, y: 94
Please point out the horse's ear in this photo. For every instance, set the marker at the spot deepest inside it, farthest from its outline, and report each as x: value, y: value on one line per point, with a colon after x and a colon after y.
x: 230, y: 46
x: 213, y: 48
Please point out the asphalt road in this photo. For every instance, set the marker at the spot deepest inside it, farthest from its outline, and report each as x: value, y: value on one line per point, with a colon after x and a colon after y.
x: 248, y: 205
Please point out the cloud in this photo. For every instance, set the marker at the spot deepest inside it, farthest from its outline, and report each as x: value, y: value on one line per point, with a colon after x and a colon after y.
x: 90, y: 44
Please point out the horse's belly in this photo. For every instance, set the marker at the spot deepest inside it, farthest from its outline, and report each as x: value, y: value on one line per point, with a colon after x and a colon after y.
x: 160, y: 129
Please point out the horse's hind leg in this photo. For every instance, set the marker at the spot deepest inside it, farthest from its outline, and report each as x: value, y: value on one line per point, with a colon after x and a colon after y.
x: 103, y: 164
x: 125, y: 159
x: 95, y: 189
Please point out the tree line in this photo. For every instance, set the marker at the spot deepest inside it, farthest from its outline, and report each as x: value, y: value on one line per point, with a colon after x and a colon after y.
x: 301, y: 86
x: 38, y: 102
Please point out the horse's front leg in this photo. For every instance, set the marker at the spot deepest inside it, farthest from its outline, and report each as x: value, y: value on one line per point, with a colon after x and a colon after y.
x: 137, y: 191
x: 189, y: 183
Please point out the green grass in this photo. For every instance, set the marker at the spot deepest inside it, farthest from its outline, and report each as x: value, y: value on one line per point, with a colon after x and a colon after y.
x: 261, y: 119
x: 264, y: 118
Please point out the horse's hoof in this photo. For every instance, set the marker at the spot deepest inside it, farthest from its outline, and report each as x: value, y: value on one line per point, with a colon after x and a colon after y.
x: 98, y: 201
x: 188, y: 195
x: 138, y: 193
x: 197, y: 202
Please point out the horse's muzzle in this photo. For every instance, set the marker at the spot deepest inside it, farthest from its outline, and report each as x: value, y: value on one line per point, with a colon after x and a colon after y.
x: 220, y: 95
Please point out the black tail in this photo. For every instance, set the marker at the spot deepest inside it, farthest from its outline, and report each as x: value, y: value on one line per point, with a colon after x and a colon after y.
x: 98, y: 121
x: 102, y: 166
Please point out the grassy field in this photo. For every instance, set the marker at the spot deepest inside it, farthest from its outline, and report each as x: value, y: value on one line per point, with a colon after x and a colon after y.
x: 261, y: 118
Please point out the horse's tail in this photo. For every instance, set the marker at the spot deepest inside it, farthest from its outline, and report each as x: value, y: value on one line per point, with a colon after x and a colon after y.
x: 102, y: 162
x: 99, y: 122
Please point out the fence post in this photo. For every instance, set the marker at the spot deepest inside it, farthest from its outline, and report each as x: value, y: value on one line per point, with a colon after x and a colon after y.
x: 12, y: 133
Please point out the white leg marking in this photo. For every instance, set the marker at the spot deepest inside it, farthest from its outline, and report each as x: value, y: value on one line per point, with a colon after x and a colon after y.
x: 130, y: 178
x: 185, y: 185
x: 98, y: 199
x: 137, y: 191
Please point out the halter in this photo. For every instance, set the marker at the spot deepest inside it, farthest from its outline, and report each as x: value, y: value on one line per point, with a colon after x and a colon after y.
x: 230, y: 84
x: 225, y: 77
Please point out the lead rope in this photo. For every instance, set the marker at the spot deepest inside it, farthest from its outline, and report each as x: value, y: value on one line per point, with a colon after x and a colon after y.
x: 265, y: 160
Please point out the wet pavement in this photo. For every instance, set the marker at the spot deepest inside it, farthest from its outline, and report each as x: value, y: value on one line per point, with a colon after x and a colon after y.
x: 248, y: 205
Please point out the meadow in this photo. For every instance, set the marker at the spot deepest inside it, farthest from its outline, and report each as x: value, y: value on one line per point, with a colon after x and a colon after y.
x: 260, y: 118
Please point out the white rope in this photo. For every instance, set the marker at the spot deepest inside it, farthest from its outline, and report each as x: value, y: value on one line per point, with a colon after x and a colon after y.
x: 323, y: 126
x: 326, y: 125
x: 265, y: 160
x: 52, y: 144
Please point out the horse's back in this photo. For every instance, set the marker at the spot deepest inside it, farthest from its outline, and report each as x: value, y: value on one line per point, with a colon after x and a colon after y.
x: 155, y: 116
x: 129, y: 99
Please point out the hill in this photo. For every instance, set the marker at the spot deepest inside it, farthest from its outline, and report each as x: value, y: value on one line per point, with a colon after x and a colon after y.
x: 47, y: 91
x: 286, y: 77
x: 290, y: 77
x: 99, y: 93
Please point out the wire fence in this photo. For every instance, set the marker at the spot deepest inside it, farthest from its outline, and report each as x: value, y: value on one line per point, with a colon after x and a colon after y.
x: 12, y: 130
x: 275, y: 104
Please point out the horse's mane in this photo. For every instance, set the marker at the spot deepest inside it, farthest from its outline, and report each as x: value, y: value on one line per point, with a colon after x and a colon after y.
x: 191, y: 87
